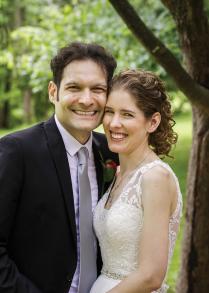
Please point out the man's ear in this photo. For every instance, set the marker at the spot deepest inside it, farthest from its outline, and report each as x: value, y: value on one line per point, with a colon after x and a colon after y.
x: 52, y: 91
x: 154, y: 122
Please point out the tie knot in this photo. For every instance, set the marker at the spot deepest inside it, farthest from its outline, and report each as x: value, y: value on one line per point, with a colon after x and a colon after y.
x: 82, y: 156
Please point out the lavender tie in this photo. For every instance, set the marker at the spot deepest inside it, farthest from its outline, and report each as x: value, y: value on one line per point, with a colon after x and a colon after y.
x: 88, y: 269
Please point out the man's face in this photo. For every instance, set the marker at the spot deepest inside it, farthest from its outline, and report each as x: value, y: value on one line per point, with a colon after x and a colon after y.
x: 80, y: 100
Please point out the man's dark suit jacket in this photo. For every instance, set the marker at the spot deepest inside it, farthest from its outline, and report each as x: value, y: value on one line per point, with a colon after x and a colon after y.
x: 37, y: 219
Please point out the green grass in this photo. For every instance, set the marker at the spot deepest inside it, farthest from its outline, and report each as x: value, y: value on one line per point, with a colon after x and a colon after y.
x: 179, y: 164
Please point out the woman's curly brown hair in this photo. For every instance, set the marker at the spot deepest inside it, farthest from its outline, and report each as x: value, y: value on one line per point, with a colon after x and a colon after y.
x: 150, y: 95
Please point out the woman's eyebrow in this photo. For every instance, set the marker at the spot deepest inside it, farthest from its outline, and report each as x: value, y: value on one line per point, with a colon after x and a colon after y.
x: 122, y: 110
x: 127, y: 110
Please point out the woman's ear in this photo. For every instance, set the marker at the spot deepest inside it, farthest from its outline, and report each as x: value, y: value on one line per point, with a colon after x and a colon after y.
x: 52, y: 91
x: 154, y: 122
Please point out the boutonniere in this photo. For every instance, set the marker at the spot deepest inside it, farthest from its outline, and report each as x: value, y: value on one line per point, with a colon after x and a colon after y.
x: 109, y: 170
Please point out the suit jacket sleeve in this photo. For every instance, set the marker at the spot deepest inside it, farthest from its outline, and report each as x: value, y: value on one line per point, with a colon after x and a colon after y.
x: 11, y: 180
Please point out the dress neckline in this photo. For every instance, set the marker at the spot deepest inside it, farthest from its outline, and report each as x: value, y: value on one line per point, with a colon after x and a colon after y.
x: 137, y: 169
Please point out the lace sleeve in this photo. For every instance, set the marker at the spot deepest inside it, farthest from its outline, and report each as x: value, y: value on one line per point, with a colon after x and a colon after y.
x: 131, y: 194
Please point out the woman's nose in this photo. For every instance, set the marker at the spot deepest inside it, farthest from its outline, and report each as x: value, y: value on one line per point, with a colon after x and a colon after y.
x: 115, y: 121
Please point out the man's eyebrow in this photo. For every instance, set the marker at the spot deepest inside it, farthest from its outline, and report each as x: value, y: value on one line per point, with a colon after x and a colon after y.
x: 100, y: 85
x: 94, y: 85
x: 71, y: 83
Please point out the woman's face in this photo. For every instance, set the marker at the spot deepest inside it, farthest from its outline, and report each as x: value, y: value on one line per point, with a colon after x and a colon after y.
x: 124, y: 123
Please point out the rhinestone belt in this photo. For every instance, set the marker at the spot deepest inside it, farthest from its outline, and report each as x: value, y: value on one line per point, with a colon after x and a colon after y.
x: 111, y: 275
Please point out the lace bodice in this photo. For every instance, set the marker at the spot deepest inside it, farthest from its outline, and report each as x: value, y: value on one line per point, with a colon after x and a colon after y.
x: 119, y: 228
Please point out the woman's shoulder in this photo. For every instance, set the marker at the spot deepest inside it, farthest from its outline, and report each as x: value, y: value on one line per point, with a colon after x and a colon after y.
x: 159, y: 175
x: 157, y: 172
x: 157, y: 169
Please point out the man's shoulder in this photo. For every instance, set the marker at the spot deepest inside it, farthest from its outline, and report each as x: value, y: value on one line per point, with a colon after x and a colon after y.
x: 22, y: 142
x: 30, y: 133
x: 24, y: 133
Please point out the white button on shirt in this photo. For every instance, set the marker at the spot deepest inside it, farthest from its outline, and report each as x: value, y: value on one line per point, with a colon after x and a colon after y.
x: 72, y: 146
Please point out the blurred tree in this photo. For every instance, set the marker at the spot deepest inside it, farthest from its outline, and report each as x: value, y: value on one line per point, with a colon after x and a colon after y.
x: 191, y: 18
x: 36, y: 32
x: 8, y: 21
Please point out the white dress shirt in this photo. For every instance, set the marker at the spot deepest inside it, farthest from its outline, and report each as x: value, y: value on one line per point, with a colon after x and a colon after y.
x: 72, y: 146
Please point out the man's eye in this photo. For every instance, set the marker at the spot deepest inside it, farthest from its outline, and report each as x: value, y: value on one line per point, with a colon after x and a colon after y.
x: 99, y: 90
x: 128, y: 115
x: 73, y: 88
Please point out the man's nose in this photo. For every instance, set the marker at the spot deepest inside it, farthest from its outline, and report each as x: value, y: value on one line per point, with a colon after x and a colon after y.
x: 86, y: 97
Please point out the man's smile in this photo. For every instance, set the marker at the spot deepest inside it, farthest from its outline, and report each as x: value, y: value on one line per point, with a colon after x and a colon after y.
x: 84, y: 113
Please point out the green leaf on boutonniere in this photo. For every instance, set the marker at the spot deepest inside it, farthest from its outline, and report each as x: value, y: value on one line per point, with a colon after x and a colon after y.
x: 109, y: 170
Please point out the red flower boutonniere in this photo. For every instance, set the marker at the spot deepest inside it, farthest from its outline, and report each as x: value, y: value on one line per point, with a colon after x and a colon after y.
x: 109, y: 170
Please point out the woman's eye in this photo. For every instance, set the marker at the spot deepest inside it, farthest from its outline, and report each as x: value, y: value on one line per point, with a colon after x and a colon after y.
x: 108, y: 111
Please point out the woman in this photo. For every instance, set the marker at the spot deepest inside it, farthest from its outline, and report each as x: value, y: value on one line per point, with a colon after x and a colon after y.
x: 137, y: 219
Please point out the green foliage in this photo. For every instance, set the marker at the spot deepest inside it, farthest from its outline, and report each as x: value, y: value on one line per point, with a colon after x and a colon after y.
x: 180, y: 103
x: 41, y: 31
x: 5, y: 12
x: 206, y: 5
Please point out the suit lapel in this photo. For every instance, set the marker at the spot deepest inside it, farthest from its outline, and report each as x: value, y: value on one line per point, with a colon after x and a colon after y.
x: 98, y: 165
x: 59, y: 155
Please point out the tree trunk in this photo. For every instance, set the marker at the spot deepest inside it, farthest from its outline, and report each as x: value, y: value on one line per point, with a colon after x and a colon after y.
x: 4, y: 115
x: 27, y: 105
x: 194, y: 274
x: 19, y: 14
x: 5, y: 104
x: 193, y: 33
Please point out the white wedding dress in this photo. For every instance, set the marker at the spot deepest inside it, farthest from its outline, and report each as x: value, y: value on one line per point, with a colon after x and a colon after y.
x: 118, y: 230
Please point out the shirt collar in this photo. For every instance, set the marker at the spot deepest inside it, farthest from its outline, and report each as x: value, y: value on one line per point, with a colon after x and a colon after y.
x: 72, y: 145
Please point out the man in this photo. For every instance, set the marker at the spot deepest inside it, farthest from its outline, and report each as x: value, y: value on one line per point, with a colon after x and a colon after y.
x: 41, y: 249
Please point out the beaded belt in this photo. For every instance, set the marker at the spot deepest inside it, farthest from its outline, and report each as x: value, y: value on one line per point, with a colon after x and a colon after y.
x: 116, y: 276
x: 111, y: 275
